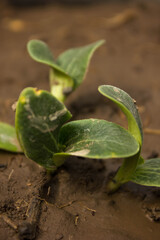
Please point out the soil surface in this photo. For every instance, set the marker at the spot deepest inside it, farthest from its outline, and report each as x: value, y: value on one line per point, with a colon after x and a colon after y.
x: 73, y: 204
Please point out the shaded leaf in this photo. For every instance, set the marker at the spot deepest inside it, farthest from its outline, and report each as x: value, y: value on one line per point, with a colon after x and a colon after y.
x: 8, y: 138
x: 128, y: 106
x: 94, y: 138
x: 39, y: 117
x: 75, y: 61
x: 148, y: 174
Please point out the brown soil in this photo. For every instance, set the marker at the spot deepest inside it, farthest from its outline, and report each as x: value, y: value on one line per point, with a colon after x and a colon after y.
x: 73, y: 205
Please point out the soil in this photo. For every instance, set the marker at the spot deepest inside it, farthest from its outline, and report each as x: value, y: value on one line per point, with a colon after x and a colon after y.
x: 73, y: 203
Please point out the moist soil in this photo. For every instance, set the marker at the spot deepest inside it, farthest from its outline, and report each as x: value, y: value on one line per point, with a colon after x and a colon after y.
x: 73, y: 203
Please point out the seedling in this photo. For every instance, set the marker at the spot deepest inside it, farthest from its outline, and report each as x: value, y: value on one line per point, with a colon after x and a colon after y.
x: 134, y: 168
x: 43, y: 134
x: 66, y: 72
x: 46, y: 138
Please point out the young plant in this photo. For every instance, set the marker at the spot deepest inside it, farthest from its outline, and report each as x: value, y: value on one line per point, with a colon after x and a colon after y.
x: 46, y: 138
x: 134, y: 168
x: 68, y: 70
x: 66, y: 74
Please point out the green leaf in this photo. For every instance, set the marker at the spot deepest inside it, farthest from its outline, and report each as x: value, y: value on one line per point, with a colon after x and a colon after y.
x: 8, y: 138
x: 60, y: 81
x: 148, y: 174
x: 75, y: 61
x: 39, y: 117
x: 128, y: 106
x: 40, y: 52
x: 68, y: 71
x: 94, y: 138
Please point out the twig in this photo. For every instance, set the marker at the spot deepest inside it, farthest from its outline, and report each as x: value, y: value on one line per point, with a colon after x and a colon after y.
x: 67, y: 204
x: 90, y: 209
x: 76, y: 220
x: 48, y: 191
x: 10, y: 175
x: 47, y: 203
x: 9, y: 222
x: 152, y: 131
x: 55, y: 205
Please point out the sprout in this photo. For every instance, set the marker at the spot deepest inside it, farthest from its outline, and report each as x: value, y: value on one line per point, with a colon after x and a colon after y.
x: 45, y: 134
x: 67, y: 71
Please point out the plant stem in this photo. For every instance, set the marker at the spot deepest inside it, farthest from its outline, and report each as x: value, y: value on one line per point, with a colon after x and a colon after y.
x: 124, y: 173
x: 113, y: 186
x: 57, y: 91
x: 61, y: 85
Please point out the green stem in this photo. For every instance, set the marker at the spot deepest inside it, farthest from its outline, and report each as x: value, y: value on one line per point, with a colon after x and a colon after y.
x: 124, y: 173
x: 61, y: 85
x: 59, y: 159
x: 57, y: 91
